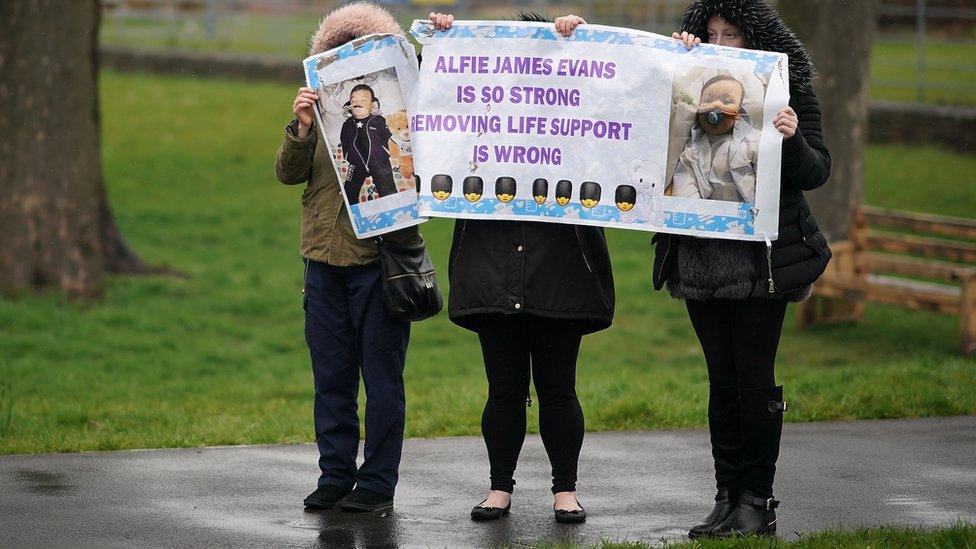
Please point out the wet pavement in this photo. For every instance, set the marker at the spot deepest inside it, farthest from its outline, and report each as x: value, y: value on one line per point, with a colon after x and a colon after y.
x: 644, y: 486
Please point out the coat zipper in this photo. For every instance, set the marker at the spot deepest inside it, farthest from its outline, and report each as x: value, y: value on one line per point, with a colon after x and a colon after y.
x: 769, y: 263
x: 311, y: 238
x: 667, y: 251
x: 457, y: 255
x: 335, y: 221
x: 521, y: 263
x: 311, y: 233
x: 579, y: 239
x: 369, y: 140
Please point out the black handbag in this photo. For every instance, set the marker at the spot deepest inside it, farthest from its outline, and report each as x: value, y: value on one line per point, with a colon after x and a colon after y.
x: 410, y: 289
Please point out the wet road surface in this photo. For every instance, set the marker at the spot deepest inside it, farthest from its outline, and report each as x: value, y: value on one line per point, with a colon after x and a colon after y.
x: 636, y: 486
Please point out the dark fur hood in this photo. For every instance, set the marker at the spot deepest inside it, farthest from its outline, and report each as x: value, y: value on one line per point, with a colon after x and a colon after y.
x: 763, y: 29
x: 532, y: 17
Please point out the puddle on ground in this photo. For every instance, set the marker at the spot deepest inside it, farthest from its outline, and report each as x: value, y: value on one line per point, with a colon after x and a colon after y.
x: 43, y: 483
x: 338, y: 529
x: 929, y: 513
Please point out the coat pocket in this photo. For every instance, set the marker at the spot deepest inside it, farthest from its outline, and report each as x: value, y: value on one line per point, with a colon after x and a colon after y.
x: 807, y: 270
x: 818, y: 243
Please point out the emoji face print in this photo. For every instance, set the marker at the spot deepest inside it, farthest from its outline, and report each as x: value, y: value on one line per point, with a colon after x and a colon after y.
x: 589, y: 194
x: 564, y: 192
x: 473, y: 187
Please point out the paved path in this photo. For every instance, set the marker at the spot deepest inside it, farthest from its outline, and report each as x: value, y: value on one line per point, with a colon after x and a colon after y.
x: 636, y: 486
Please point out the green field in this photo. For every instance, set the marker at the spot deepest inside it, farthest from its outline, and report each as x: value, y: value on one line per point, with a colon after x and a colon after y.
x: 949, y: 72
x: 218, y: 357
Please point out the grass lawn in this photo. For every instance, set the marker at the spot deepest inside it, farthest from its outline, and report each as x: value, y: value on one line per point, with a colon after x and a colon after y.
x: 219, y: 357
x: 960, y: 536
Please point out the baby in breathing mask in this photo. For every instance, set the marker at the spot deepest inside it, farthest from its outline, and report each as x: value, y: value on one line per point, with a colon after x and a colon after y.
x: 719, y: 162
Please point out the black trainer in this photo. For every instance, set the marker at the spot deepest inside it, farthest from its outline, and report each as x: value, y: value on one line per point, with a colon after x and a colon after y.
x: 325, y: 497
x: 363, y: 500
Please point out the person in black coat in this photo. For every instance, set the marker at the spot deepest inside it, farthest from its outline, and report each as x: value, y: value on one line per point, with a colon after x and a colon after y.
x: 736, y: 292
x: 530, y: 291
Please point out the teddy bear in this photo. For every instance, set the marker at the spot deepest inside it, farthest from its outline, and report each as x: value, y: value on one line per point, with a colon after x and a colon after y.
x: 645, y: 176
x: 401, y: 152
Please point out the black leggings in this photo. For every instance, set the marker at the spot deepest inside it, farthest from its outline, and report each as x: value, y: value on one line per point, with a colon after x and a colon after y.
x: 739, y: 339
x: 509, y: 345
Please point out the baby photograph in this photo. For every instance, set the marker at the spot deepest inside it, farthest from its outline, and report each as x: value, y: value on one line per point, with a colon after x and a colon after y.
x: 368, y: 133
x: 714, y: 135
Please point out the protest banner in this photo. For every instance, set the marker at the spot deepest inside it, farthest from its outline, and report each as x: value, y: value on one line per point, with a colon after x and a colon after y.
x: 364, y: 88
x: 610, y: 127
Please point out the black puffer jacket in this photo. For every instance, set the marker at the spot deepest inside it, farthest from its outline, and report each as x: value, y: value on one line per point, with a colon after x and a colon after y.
x: 703, y: 269
x: 538, y: 269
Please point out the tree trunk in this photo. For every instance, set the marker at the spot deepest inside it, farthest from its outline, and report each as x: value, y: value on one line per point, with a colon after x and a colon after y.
x: 56, y: 228
x: 839, y: 35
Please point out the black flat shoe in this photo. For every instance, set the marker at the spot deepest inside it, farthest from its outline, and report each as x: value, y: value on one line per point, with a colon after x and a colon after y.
x: 724, y: 505
x: 362, y: 500
x: 575, y: 516
x: 325, y: 497
x: 490, y: 513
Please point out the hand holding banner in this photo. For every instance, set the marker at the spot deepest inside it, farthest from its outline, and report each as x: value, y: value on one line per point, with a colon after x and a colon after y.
x: 609, y: 127
x: 365, y: 88
x: 510, y: 120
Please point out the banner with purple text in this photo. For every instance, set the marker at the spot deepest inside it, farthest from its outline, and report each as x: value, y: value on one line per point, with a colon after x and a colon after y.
x: 610, y: 127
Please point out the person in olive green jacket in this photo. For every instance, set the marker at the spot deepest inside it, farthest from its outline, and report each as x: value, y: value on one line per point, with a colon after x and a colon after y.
x: 346, y: 325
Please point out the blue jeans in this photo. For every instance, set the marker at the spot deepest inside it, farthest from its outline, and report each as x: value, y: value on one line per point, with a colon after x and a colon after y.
x: 349, y: 332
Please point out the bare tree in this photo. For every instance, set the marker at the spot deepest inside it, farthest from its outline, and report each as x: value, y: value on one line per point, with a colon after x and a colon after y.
x: 56, y: 228
x: 839, y: 35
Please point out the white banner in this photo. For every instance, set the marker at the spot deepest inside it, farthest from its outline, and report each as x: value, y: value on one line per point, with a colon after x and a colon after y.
x: 610, y: 127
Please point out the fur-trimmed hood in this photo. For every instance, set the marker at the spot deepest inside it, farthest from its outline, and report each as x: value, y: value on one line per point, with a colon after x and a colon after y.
x: 532, y: 17
x: 352, y: 21
x: 763, y: 29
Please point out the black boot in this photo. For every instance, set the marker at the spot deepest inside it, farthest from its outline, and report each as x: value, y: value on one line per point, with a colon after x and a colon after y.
x: 762, y: 427
x: 751, y: 516
x: 724, y: 505
x: 723, y: 428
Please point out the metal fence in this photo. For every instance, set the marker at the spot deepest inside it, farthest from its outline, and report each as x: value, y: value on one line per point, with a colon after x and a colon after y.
x: 280, y: 26
x: 919, y: 27
x: 915, y: 58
